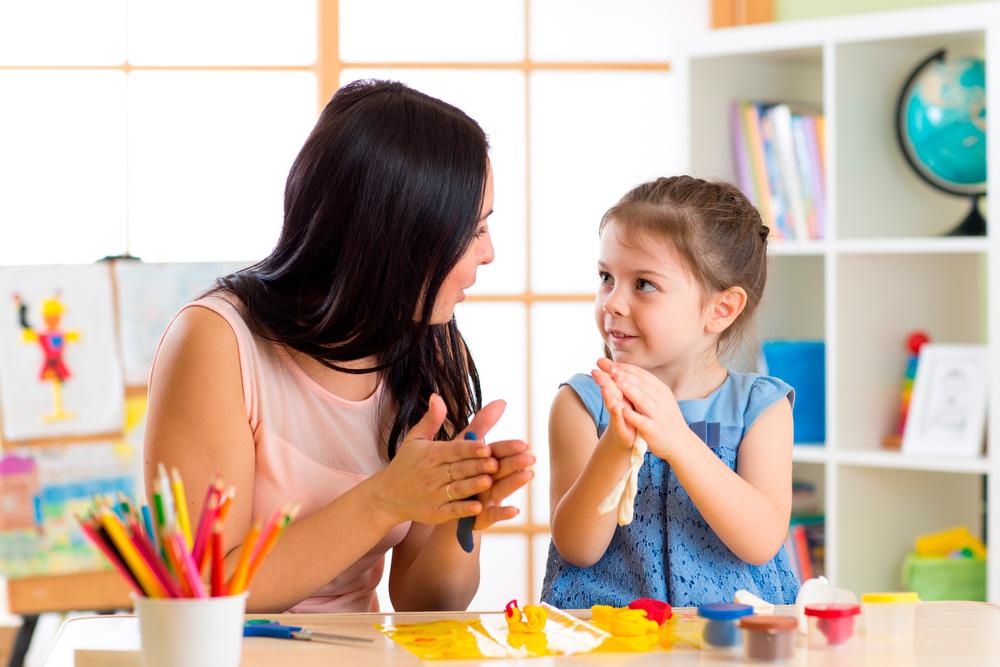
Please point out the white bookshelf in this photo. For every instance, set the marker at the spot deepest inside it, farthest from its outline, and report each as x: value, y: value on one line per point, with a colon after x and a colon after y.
x: 881, y: 272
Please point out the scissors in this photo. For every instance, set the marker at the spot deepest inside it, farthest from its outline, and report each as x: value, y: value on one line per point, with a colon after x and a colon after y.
x: 266, y: 628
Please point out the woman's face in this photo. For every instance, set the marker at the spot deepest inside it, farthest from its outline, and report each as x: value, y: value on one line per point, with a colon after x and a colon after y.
x: 463, y: 275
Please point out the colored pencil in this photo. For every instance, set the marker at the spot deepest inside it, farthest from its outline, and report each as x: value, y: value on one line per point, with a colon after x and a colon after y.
x: 110, y: 553
x: 218, y: 564
x: 130, y: 555
x: 203, y: 541
x: 267, y: 543
x: 189, y: 569
x: 205, y: 520
x: 177, y: 486
x: 174, y: 560
x: 146, y: 550
x: 147, y: 520
x: 238, y: 581
x: 227, y: 502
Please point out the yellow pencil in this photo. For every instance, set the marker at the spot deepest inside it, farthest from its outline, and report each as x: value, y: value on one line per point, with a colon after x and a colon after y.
x: 116, y: 531
x: 177, y: 486
x: 239, y: 579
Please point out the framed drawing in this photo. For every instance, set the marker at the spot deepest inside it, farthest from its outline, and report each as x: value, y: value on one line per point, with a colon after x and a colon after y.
x: 60, y: 373
x: 948, y: 410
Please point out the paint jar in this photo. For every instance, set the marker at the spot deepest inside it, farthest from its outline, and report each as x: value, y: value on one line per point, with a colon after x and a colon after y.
x: 831, y: 625
x: 890, y: 616
x: 769, y: 638
x: 721, y: 632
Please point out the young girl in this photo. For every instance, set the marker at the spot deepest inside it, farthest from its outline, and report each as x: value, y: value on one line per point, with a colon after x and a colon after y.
x: 682, y: 269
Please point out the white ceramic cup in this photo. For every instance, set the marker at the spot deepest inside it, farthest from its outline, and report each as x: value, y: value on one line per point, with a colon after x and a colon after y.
x: 191, y: 632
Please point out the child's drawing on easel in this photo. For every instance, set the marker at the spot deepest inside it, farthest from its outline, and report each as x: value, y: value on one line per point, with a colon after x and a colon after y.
x: 60, y: 371
x: 52, y: 340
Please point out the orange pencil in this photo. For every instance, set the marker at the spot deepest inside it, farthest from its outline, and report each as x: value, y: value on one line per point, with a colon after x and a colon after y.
x: 267, y: 543
x: 227, y: 502
x: 270, y: 528
x: 218, y: 565
x: 188, y: 568
x: 238, y: 581
x: 170, y: 547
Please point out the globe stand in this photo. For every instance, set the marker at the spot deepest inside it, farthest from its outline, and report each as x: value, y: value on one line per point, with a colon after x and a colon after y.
x: 974, y: 223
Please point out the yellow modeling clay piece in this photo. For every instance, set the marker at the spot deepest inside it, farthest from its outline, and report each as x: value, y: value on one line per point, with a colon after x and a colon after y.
x: 533, y: 621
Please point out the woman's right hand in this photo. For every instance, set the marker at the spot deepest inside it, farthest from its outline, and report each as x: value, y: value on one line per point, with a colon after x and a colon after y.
x: 429, y: 480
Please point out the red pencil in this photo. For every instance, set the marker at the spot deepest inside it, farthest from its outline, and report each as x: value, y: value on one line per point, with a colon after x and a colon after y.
x: 206, y: 519
x: 202, y: 545
x: 148, y: 553
x: 218, y: 565
x: 97, y: 537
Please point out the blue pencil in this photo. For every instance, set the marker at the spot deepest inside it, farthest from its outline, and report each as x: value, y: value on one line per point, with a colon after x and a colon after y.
x: 147, y: 519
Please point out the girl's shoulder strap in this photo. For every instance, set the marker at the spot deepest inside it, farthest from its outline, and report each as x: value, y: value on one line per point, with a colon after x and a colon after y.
x: 762, y: 391
x: 590, y: 395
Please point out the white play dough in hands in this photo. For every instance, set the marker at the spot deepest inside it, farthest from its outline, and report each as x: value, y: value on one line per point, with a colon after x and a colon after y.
x: 622, y: 497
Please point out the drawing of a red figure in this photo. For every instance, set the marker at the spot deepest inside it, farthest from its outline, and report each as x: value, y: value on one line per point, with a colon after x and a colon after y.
x: 52, y: 341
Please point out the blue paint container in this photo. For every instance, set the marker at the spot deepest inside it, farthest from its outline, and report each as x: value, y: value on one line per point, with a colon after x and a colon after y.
x: 721, y: 631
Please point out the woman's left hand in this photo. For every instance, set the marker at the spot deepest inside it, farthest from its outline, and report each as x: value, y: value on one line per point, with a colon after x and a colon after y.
x: 655, y: 413
x: 513, y: 462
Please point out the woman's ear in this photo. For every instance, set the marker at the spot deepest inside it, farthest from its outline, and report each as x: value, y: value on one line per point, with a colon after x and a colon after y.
x: 724, y: 308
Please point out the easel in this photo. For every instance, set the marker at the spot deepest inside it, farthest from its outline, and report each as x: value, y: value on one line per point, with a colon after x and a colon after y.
x: 102, y: 591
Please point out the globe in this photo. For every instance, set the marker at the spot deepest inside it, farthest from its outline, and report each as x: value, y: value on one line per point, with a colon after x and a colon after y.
x: 941, y: 127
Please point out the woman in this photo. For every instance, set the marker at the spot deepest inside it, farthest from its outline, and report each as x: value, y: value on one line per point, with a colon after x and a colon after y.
x: 332, y: 372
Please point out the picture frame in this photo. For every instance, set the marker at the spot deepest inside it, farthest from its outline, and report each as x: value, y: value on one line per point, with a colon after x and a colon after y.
x: 947, y: 415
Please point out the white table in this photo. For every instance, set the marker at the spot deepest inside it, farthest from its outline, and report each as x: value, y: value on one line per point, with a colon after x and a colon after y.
x: 947, y: 634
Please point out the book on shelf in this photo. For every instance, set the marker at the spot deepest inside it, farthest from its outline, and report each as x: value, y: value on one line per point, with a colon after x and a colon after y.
x: 778, y: 152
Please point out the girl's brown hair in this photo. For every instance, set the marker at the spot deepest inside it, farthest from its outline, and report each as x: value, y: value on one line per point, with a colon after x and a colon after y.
x: 713, y: 227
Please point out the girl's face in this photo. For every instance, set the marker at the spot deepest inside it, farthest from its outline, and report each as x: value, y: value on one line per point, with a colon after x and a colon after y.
x: 650, y: 309
x: 463, y: 274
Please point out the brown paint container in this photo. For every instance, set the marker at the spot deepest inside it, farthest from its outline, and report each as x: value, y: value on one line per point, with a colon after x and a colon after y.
x: 769, y: 638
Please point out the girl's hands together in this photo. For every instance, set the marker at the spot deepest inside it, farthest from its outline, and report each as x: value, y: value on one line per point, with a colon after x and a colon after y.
x: 619, y: 429
x: 653, y: 411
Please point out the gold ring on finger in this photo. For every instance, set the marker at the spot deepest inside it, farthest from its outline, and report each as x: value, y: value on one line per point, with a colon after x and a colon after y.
x: 447, y: 492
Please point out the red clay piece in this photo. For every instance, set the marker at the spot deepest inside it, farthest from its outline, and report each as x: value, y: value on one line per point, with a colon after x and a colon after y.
x: 656, y: 610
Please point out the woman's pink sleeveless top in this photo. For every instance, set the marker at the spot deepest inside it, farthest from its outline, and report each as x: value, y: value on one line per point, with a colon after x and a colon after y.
x: 311, y: 446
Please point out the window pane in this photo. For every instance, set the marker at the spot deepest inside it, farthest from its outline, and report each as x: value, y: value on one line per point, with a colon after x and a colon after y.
x: 497, y: 337
x: 503, y: 567
x: 62, y: 166
x: 539, y: 558
x: 62, y: 32
x: 594, y: 135
x: 564, y: 341
x: 441, y: 31
x: 597, y: 30
x: 208, y: 156
x: 495, y: 100
x: 222, y: 32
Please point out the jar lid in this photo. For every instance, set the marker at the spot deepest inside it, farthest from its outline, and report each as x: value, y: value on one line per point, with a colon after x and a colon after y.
x: 724, y: 611
x: 769, y: 624
x: 904, y: 597
x: 833, y: 610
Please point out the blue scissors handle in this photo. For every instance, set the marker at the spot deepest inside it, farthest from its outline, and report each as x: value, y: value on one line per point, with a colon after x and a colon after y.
x: 269, y: 629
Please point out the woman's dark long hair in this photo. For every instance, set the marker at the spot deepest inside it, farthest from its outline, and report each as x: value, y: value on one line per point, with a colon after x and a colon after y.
x: 380, y: 204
